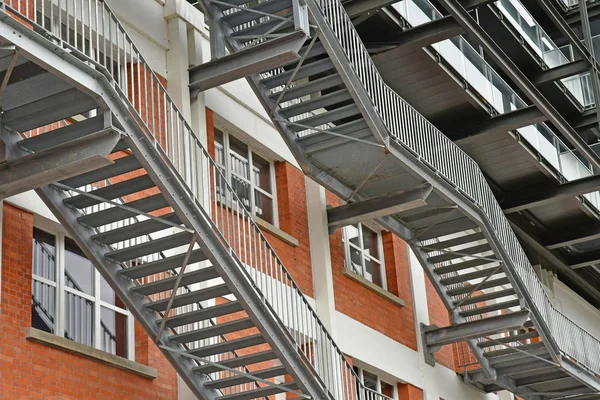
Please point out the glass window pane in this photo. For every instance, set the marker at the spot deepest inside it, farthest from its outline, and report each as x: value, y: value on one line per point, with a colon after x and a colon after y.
x: 79, y: 319
x: 42, y: 306
x: 355, y: 260
x: 79, y: 271
x: 370, y: 380
x: 108, y: 295
x: 351, y: 232
x: 241, y: 189
x: 373, y: 272
x: 262, y: 173
x: 263, y: 206
x: 44, y: 254
x: 370, y: 242
x: 113, y: 331
x: 219, y: 136
x: 387, y: 389
x: 239, y: 157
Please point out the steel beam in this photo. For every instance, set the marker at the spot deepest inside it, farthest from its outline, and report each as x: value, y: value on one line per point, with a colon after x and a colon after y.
x: 437, y: 337
x: 539, y: 196
x: 368, y: 210
x: 501, y: 124
x: 254, y: 59
x: 573, y: 236
x: 584, y: 260
x: 560, y: 72
x: 496, y: 54
x: 356, y: 8
x: 56, y: 163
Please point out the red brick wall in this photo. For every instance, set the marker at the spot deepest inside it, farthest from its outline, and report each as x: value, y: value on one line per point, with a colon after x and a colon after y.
x: 438, y: 315
x: 368, y: 307
x: 407, y: 391
x: 31, y: 370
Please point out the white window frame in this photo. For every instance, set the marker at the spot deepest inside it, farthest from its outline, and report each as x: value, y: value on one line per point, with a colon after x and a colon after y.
x: 360, y: 372
x: 347, y: 256
x: 226, y: 148
x: 61, y: 288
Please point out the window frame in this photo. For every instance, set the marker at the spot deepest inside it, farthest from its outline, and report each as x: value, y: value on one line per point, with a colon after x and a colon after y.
x: 360, y: 372
x: 348, y: 246
x: 61, y: 289
x: 229, y: 173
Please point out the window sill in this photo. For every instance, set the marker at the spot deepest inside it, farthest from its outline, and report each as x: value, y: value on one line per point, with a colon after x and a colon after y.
x: 373, y: 287
x: 272, y: 229
x: 38, y: 336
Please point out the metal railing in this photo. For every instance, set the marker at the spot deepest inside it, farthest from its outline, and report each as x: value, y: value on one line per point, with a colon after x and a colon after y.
x: 413, y: 132
x: 91, y: 30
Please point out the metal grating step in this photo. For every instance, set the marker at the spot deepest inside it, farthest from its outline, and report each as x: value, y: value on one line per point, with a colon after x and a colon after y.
x: 337, y: 114
x: 462, y: 265
x: 111, y: 192
x: 242, y: 16
x: 201, y: 275
x: 114, y: 214
x: 214, y: 330
x: 482, y: 248
x: 249, y: 359
x: 204, y: 314
x: 490, y: 308
x: 320, y: 102
x: 121, y: 166
x: 135, y: 230
x: 508, y: 339
x: 262, y: 392
x: 486, y: 296
x: 483, y: 273
x: 229, y: 346
x: 166, y: 264
x: 271, y: 26
x: 150, y: 247
x: 446, y: 244
x: 240, y: 380
x: 489, y: 284
x: 314, y: 86
x: 63, y: 135
x: 190, y: 298
x: 304, y: 71
x: 500, y: 354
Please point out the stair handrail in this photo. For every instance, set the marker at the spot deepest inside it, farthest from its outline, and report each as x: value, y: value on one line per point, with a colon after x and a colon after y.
x: 440, y: 154
x: 173, y: 137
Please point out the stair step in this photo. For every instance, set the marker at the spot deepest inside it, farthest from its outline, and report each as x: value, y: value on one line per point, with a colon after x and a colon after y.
x: 240, y: 380
x: 262, y: 392
x: 489, y: 284
x: 314, y: 86
x: 319, y: 102
x: 509, y: 350
x: 135, y: 230
x: 201, y: 275
x: 446, y: 244
x: 111, y: 192
x: 114, y: 214
x: 205, y: 313
x: 166, y: 264
x: 150, y: 247
x: 463, y: 253
x: 490, y: 308
x: 196, y: 296
x: 241, y: 16
x: 263, y: 27
x: 486, y: 296
x: 214, y: 330
x: 304, y: 71
x: 327, y: 117
x: 508, y: 339
x: 229, y: 346
x: 462, y: 265
x: 249, y: 359
x: 121, y: 166
x: 63, y: 135
x: 470, y: 276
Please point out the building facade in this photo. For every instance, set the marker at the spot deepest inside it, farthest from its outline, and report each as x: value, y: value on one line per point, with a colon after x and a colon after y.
x: 66, y: 333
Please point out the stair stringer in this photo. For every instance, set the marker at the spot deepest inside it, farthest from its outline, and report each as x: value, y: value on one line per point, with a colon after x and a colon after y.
x: 95, y: 83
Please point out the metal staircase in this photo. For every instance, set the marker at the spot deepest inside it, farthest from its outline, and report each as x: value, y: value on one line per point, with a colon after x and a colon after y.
x: 350, y: 132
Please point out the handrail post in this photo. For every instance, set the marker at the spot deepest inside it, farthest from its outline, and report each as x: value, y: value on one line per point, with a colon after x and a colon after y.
x: 301, y: 21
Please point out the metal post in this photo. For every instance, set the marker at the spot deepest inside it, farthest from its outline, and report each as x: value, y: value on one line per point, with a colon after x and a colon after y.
x: 587, y: 39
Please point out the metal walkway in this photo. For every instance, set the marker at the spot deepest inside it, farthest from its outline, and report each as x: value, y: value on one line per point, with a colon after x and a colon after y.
x: 353, y: 134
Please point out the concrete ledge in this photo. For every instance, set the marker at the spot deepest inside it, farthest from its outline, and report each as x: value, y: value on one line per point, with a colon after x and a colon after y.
x: 38, y: 336
x: 272, y: 229
x: 373, y: 287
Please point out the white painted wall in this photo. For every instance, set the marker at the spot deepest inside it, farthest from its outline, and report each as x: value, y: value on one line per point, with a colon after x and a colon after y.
x: 575, y: 307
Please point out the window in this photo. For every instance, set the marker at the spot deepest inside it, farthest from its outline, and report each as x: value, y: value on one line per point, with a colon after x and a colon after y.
x: 70, y: 298
x: 363, y: 253
x: 250, y: 175
x: 373, y: 382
